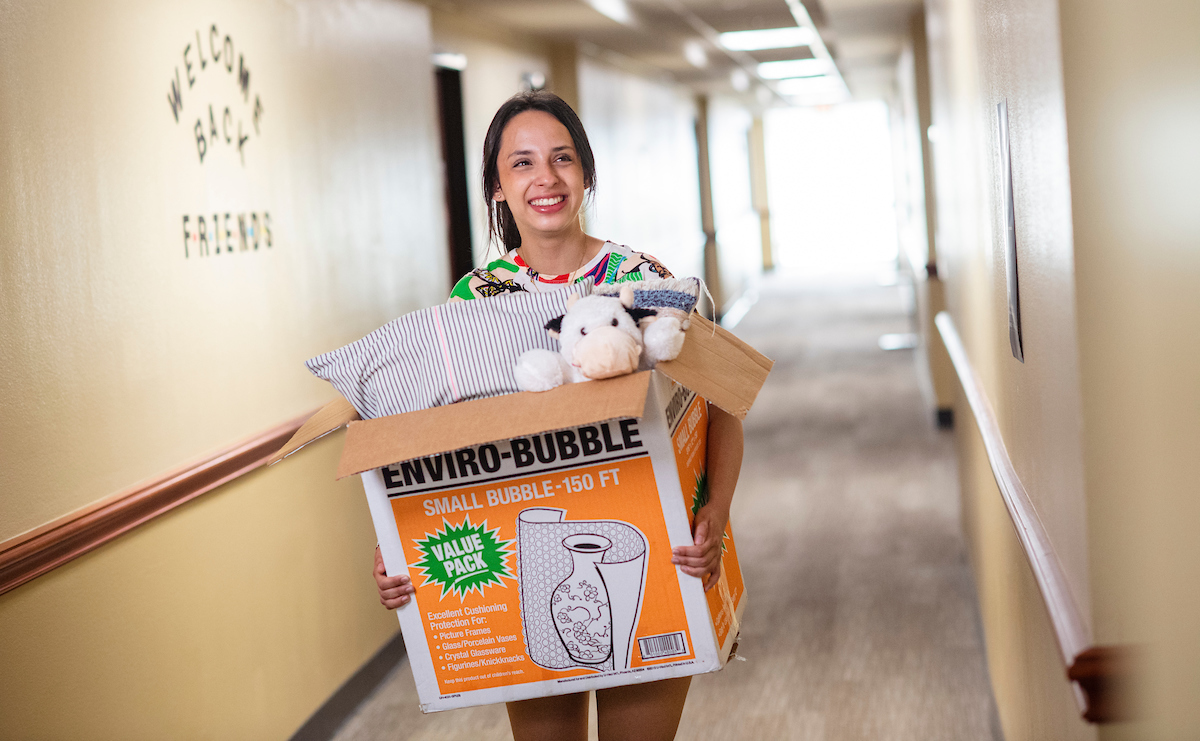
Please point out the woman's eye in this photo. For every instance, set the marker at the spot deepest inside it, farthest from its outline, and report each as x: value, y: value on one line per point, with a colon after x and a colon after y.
x: 614, y: 321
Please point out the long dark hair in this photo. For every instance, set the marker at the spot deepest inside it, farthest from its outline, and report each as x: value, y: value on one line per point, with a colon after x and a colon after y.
x: 500, y: 219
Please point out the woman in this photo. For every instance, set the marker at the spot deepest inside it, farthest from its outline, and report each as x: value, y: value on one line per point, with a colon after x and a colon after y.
x: 537, y: 170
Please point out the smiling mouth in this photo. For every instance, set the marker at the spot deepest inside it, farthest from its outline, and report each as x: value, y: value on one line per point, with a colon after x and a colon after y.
x: 547, y: 201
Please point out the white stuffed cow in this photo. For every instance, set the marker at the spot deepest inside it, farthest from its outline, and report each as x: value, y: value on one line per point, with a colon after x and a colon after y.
x: 599, y: 338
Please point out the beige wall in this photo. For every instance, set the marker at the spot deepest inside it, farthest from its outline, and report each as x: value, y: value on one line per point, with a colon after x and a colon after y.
x: 236, y: 615
x: 1135, y: 186
x: 739, y: 228
x: 916, y: 245
x: 122, y: 357
x: 1103, y: 419
x: 648, y: 194
x: 983, y: 53
x: 1033, y: 699
x: 916, y: 207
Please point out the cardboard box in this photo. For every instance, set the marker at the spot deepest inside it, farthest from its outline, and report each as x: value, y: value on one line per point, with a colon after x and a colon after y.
x: 538, y: 528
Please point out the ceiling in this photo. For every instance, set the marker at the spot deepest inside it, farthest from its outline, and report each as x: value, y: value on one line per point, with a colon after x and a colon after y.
x: 866, y: 37
x: 863, y: 36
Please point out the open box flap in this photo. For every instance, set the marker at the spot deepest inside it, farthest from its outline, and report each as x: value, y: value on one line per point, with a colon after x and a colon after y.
x: 717, y: 365
x: 386, y: 440
x: 713, y: 363
x: 328, y: 418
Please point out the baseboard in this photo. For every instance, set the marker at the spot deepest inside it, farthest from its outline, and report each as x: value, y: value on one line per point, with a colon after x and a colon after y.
x: 324, y: 723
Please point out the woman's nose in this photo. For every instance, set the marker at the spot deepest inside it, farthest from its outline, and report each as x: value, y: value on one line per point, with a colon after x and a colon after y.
x: 545, y: 174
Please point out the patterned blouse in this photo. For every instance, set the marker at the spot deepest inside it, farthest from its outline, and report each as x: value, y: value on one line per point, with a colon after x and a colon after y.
x: 613, y: 264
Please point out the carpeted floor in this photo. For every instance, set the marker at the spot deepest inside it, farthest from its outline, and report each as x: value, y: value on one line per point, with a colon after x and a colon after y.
x: 862, y: 621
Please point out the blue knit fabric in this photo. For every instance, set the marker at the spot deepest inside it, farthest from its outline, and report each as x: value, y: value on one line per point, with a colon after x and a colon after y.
x: 664, y: 299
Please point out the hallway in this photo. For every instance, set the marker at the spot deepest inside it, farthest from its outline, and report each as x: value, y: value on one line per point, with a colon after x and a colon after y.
x: 862, y: 621
x: 197, y: 198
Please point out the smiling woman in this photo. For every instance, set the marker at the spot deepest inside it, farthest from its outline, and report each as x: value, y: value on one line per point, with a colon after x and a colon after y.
x: 541, y: 170
x: 538, y: 169
x: 547, y: 129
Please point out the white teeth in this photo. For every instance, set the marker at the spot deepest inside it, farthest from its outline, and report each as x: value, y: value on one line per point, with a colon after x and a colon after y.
x: 546, y: 201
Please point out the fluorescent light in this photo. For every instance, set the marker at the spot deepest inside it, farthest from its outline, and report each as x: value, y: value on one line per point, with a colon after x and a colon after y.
x: 533, y: 81
x: 614, y: 9
x: 450, y: 61
x: 794, y: 68
x: 694, y: 52
x: 767, y: 38
x: 899, y: 341
x: 810, y: 86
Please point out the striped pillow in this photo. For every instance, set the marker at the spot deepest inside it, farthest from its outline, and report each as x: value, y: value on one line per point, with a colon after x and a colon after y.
x: 443, y: 354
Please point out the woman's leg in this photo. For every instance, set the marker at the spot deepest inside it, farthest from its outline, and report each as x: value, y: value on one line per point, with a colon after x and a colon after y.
x: 642, y: 712
x: 559, y: 718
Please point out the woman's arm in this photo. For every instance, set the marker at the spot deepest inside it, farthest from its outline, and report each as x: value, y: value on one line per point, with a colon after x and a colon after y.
x: 724, y: 464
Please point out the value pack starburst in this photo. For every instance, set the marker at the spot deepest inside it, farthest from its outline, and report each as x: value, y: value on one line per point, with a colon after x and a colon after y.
x: 538, y: 529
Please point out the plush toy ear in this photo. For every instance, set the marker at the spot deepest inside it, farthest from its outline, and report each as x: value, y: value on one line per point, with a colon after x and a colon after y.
x: 571, y: 301
x: 640, y: 314
x: 627, y: 297
x: 554, y: 326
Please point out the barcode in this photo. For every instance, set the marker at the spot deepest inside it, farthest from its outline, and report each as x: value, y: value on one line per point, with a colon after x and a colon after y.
x: 667, y: 644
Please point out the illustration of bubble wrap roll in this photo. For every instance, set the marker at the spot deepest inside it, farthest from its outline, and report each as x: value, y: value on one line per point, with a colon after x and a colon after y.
x: 581, y: 584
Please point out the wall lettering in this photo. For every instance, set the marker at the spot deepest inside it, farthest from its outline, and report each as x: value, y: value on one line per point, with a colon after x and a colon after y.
x: 209, y: 235
x: 218, y: 123
x: 219, y: 120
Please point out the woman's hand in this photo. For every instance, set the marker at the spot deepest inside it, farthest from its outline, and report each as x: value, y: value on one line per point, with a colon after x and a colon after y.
x: 394, y: 591
x: 703, y: 560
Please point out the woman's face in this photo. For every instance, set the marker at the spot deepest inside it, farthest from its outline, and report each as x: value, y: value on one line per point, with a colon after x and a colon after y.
x: 541, y: 178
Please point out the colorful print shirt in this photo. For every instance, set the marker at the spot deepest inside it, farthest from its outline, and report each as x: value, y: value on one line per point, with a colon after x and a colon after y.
x: 509, y: 274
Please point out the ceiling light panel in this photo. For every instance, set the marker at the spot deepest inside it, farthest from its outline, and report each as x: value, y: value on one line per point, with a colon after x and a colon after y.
x: 775, y: 55
x: 767, y: 38
x: 810, y: 86
x: 449, y: 60
x: 794, y: 68
x: 694, y: 52
x: 614, y: 9
x: 738, y: 15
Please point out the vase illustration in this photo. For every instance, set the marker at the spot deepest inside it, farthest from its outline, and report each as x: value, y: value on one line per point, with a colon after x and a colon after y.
x: 580, y: 604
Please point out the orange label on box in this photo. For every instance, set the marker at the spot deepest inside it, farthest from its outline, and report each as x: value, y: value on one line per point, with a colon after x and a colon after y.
x: 542, y: 562
x: 560, y: 572
x: 687, y: 416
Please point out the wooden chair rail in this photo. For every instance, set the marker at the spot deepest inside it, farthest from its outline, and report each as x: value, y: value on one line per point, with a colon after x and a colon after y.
x: 1101, y: 673
x: 32, y: 554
